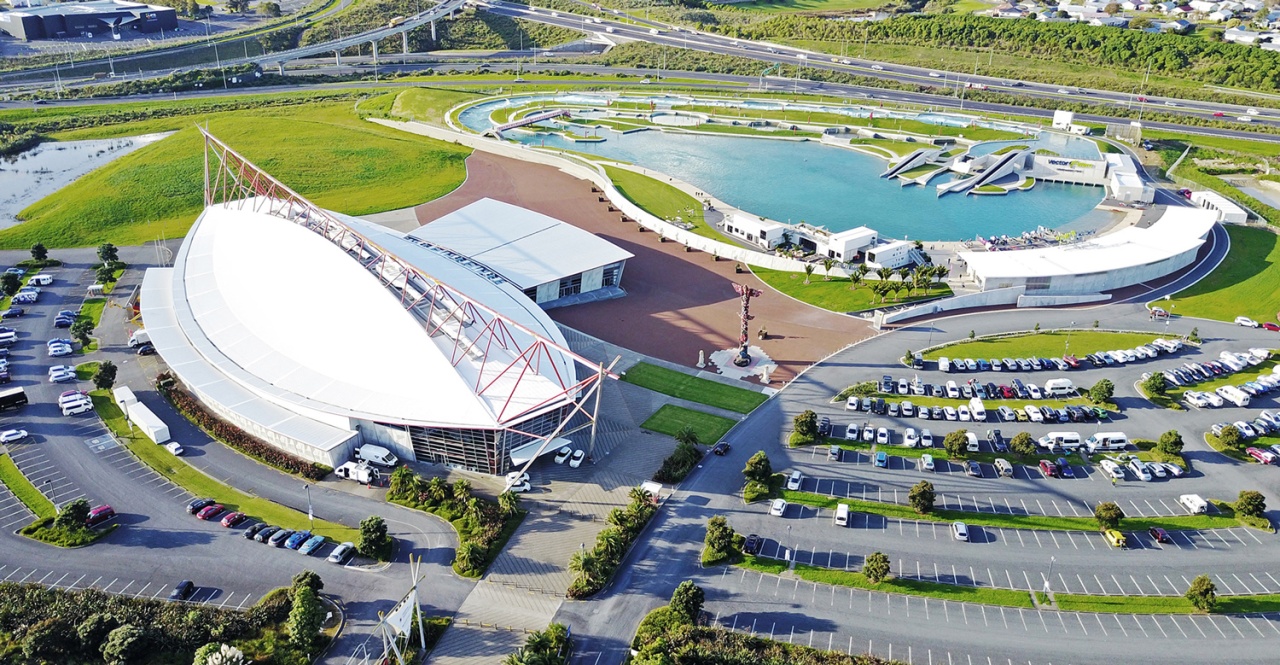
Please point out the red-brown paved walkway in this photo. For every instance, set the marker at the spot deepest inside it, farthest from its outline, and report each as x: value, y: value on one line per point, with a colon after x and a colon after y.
x: 678, y: 303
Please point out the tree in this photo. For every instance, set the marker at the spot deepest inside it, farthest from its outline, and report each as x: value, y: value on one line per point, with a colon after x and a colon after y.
x: 46, y: 641
x: 374, y: 540
x: 94, y: 629
x: 269, y: 8
x: 827, y: 264
x: 105, y: 377
x: 104, y: 275
x: 1102, y: 391
x: 806, y: 424
x: 641, y: 496
x: 586, y: 565
x: 909, y: 358
x: 876, y: 567
x: 305, y: 618
x: 309, y: 579
x: 1154, y: 385
x: 124, y: 645
x: 686, y: 601
x: 1202, y: 593
x: 808, y: 272
x: 107, y: 253
x: 1111, y: 9
x: 611, y: 542
x: 1251, y: 503
x: 1022, y: 444
x: 719, y: 539
x: 1170, y: 443
x: 39, y: 252
x: 758, y: 468
x: 955, y: 443
x: 855, y: 278
x: 214, y: 653
x: 1108, y: 515
x: 81, y: 329
x: 470, y: 556
x: 922, y: 497
x: 1062, y: 14
x: 461, y: 490
x: 687, y: 435
x: 10, y: 283
x: 509, y: 503
x: 1140, y: 23
x: 73, y: 514
x: 237, y: 6
x: 1230, y: 437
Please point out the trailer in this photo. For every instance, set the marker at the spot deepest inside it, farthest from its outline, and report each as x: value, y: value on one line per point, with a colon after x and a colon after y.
x: 148, y: 422
x: 13, y: 398
x: 359, y: 472
x: 123, y: 397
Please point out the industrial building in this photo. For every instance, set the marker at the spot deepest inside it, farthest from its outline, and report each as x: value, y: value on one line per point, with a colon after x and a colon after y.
x: 86, y: 19
x: 1225, y: 209
x: 318, y: 332
x: 844, y: 246
x: 1129, y: 256
x: 553, y: 263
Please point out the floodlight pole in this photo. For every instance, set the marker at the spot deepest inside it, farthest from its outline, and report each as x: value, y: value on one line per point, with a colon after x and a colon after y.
x: 595, y: 414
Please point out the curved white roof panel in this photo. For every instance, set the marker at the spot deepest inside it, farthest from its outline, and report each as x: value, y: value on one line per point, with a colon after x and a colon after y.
x: 289, y: 313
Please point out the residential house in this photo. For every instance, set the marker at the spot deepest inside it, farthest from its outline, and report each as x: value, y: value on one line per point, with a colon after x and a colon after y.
x: 1110, y: 21
x: 1184, y: 10
x: 1129, y: 6
x: 1179, y: 26
x: 1203, y: 6
x: 1007, y: 11
x: 1166, y: 7
x: 1221, y: 15
x: 1238, y: 36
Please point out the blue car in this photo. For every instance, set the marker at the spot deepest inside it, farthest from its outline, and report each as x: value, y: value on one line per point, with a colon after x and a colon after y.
x: 1065, y: 468
x: 313, y: 543
x: 296, y: 540
x: 882, y: 459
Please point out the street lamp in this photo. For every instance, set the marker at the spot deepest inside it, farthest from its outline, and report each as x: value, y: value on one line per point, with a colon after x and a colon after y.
x: 310, y: 515
x: 48, y: 484
x: 1049, y: 576
x: 1068, y: 346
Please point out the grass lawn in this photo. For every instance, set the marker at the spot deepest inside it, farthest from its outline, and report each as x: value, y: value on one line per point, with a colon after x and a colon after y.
x: 896, y: 148
x: 85, y: 371
x: 998, y: 520
x: 324, y: 151
x: 923, y: 169
x: 1263, y: 148
x: 1125, y: 604
x: 429, y: 105
x: 670, y: 419
x: 1234, y: 453
x: 92, y: 309
x: 771, y: 566
x: 989, y: 189
x: 1042, y: 345
x: 835, y: 295
x: 788, y: 6
x: 952, y: 592
x: 196, y: 482
x: 1244, y: 285
x: 24, y: 490
x: 661, y: 199
x: 751, y: 131
x: 694, y: 389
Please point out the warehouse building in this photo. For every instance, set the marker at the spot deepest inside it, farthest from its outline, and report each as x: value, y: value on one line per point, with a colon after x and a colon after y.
x: 86, y: 19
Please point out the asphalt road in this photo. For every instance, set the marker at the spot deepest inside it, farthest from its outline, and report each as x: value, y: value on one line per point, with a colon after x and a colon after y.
x: 158, y: 544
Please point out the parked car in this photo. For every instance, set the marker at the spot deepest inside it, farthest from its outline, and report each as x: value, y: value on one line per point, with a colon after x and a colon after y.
x: 722, y: 448
x: 232, y: 519
x: 1246, y: 322
x: 266, y: 533
x: 752, y: 544
x: 146, y: 350
x: 1064, y: 468
x: 1160, y: 535
x: 926, y: 462
x: 778, y: 507
x: 563, y: 454
x: 196, y: 505
x: 973, y: 468
x: 311, y: 545
x: 11, y: 435
x: 882, y: 459
x: 1115, y: 538
x: 182, y: 591
x: 960, y: 531
x: 278, y: 538
x: 210, y: 512
x: 296, y: 540
x: 1049, y: 469
x: 795, y: 480
x: 253, y: 530
x: 576, y: 460
x: 175, y: 448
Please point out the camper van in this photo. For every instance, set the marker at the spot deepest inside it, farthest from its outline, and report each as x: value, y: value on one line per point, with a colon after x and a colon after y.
x: 1107, y: 441
x: 1059, y: 388
x: 842, y: 515
x: 1194, y: 503
x: 978, y: 410
x: 1064, y: 440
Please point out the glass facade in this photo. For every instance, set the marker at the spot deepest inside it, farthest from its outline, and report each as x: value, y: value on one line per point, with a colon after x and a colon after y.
x: 480, y: 450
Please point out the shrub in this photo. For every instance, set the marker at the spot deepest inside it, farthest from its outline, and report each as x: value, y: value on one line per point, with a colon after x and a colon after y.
x: 1251, y: 503
x: 806, y: 428
x: 1170, y: 443
x: 305, y: 618
x: 922, y: 497
x: 1230, y: 437
x: 1202, y: 593
x: 1023, y: 444
x: 596, y: 566
x: 755, y: 490
x: 233, y: 436
x: 125, y: 644
x: 1108, y: 515
x: 1154, y: 385
x: 374, y: 541
x: 955, y: 443
x: 1102, y: 391
x: 686, y: 601
x: 678, y: 465
x: 719, y: 540
x: 876, y: 567
x: 758, y: 468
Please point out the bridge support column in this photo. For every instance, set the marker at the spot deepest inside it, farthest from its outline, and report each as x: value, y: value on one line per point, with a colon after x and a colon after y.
x: 433, y: 31
x: 404, y: 44
x: 337, y: 58
x: 280, y: 65
x: 375, y: 54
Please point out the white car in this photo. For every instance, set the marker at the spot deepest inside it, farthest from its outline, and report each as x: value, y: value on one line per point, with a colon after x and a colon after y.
x: 72, y: 397
x: 520, y: 488
x: 909, y: 438
x: 77, y: 408
x: 1157, y: 469
x: 1195, y: 398
x: 515, y: 478
x: 1246, y: 322
x: 882, y: 436
x: 1033, y: 413
x: 61, y: 368
x: 563, y: 454
x: 1140, y: 470
x: 878, y: 68
x: 950, y: 413
x: 960, y: 531
x: 1112, y: 469
x: 795, y: 480
x: 935, y: 75
x: 11, y: 435
x: 926, y: 462
x: 576, y: 460
x: 965, y: 417
x: 62, y: 377
x: 1246, y: 430
x: 1215, y: 400
x: 174, y: 447
x: 953, y: 391
x: 926, y: 438
x: 60, y: 351
x: 1173, y: 470
x: 1034, y: 391
x: 778, y: 507
x: 908, y: 409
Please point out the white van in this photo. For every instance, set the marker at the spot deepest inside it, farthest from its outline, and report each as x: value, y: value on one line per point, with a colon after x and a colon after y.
x: 944, y: 364
x: 1234, y: 395
x: 1064, y: 440
x: 8, y: 338
x: 978, y: 409
x: 1059, y: 388
x: 842, y: 515
x: 1194, y: 503
x: 41, y: 280
x: 1107, y: 441
x: 1004, y: 468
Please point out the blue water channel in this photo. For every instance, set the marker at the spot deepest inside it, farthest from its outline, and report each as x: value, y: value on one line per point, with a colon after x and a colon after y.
x: 825, y: 185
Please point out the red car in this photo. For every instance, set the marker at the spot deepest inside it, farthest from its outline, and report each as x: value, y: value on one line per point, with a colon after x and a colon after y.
x: 210, y: 512
x: 1071, y: 361
x: 232, y: 519
x: 1219, y: 114
x: 1160, y: 535
x: 1049, y: 469
x: 1262, y: 456
x: 1271, y: 326
x: 1006, y: 392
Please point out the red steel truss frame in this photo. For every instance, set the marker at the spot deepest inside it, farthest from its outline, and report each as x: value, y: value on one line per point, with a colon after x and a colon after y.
x: 475, y: 330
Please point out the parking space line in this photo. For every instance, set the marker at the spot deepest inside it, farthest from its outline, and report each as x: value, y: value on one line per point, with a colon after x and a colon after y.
x: 1082, y: 628
x: 33, y: 572
x: 1118, y: 623
x: 1136, y: 509
x: 1226, y: 586
x: 1230, y: 623
x: 1166, y: 507
x: 1035, y: 532
x: 1104, y: 628
x: 1219, y: 537
x: 1154, y: 510
x: 1179, y: 627
x: 1072, y: 539
x: 1140, y: 626
x: 1237, y: 537
x: 1260, y: 582
x: 1137, y: 586
x: 1246, y: 586
x: 1156, y: 621
x: 1211, y: 623
x: 1255, y: 627
x: 1251, y: 535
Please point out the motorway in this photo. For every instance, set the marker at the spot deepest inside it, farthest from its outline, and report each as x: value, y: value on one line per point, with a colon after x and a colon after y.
x: 77, y: 458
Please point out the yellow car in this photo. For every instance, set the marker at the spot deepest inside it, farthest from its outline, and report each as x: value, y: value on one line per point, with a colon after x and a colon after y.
x: 1115, y: 538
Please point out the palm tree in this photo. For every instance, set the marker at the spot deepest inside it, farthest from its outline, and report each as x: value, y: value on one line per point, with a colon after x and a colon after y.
x: 473, y: 510
x: 462, y: 490
x: 863, y: 269
x: 855, y: 278
x: 808, y: 271
x: 509, y: 502
x: 904, y: 272
x: 611, y: 542
x: 884, y: 273
x: 436, y: 489
x: 687, y: 435
x: 640, y: 495
x: 827, y: 263
x: 470, y: 556
x: 898, y: 286
x: 921, y: 277
x: 586, y: 565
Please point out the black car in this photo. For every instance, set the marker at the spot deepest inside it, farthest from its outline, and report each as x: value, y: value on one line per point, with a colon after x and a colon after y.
x: 253, y: 530
x: 4, y: 377
x: 996, y: 439
x: 197, y: 505
x: 63, y: 323
x: 12, y: 313
x: 824, y: 426
x: 147, y: 349
x: 752, y: 544
x: 278, y: 538
x: 886, y: 384
x: 879, y: 406
x: 266, y: 533
x: 1050, y: 416
x: 722, y: 448
x: 183, y: 591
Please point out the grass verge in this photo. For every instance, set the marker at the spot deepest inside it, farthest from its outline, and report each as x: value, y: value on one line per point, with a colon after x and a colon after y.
x: 1042, y: 345
x: 193, y: 480
x: 1234, y: 453
x: 44, y: 531
x: 85, y: 371
x: 670, y: 419
x: 661, y: 200
x: 23, y: 489
x: 951, y: 592
x: 835, y: 294
x: 1243, y: 285
x: 692, y: 388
